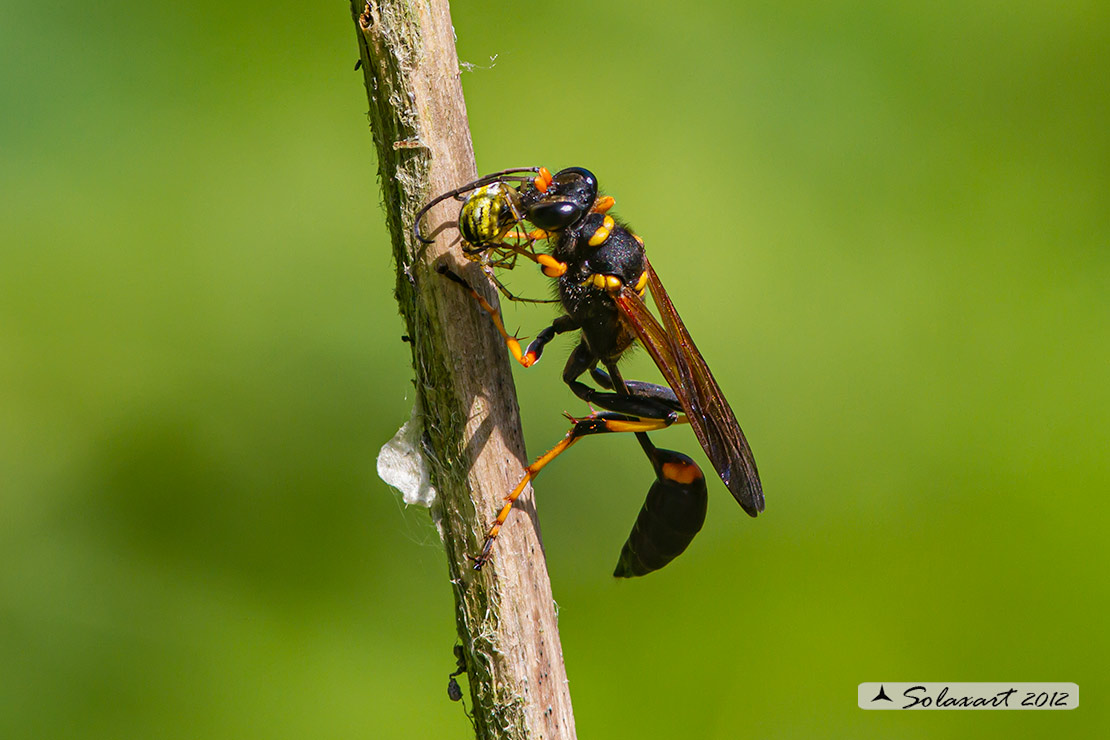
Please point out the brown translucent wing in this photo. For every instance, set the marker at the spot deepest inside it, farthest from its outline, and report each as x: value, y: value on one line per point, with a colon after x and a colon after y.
x: 674, y: 351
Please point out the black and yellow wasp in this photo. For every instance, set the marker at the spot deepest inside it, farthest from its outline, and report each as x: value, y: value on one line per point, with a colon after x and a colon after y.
x: 603, y: 276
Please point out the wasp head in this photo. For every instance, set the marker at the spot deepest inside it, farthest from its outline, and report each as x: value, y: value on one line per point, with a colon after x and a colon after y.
x: 567, y: 199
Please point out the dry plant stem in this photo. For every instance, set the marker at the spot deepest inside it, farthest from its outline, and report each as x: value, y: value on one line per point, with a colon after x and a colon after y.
x: 505, y: 613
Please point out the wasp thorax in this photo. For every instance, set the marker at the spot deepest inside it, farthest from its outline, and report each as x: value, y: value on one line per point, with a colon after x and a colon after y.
x: 489, y: 213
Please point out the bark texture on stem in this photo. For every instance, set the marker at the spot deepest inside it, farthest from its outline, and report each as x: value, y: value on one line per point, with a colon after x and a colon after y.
x: 505, y: 614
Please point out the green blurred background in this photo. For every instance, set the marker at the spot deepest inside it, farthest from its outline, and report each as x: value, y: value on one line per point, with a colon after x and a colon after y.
x: 886, y: 224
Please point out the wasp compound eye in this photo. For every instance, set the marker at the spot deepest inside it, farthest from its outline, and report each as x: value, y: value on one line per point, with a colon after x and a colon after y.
x: 552, y: 215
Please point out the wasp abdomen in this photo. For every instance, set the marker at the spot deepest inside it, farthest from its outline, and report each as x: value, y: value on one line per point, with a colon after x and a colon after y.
x: 672, y: 514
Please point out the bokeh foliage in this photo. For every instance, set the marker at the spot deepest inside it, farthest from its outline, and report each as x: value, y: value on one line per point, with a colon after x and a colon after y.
x: 886, y: 224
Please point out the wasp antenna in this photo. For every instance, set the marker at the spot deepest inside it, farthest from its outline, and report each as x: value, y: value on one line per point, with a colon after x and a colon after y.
x: 420, y: 215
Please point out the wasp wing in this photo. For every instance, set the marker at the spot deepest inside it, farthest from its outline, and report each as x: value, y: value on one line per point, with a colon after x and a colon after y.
x: 674, y: 351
